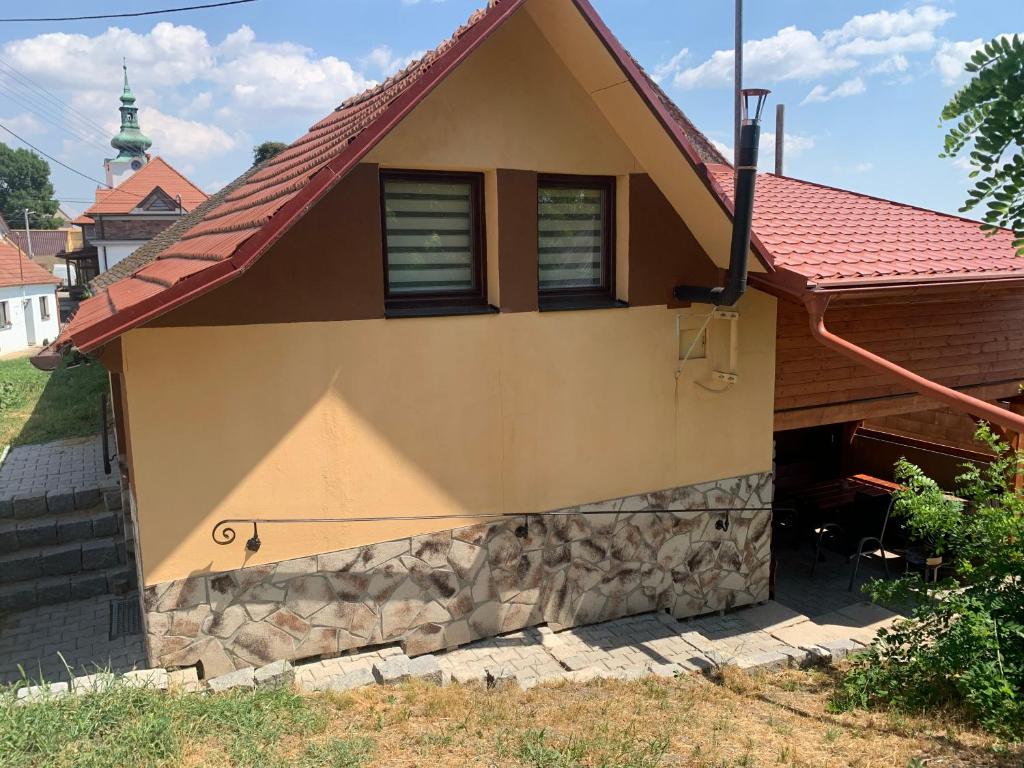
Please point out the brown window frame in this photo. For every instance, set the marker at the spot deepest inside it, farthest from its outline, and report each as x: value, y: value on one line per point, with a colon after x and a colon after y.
x: 438, y: 301
x: 569, y: 298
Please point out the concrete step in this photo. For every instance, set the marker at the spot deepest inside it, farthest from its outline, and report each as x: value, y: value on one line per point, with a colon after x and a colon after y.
x: 25, y: 506
x: 80, y: 525
x: 50, y: 590
x: 33, y: 563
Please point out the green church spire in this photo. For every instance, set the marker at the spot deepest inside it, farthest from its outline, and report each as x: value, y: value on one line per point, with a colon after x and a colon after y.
x: 131, y: 142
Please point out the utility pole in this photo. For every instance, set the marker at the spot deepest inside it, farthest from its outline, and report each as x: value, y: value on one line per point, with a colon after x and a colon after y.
x: 21, y: 264
x: 28, y: 234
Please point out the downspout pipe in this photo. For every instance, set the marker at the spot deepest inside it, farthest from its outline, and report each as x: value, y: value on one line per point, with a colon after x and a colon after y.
x: 816, y: 305
x: 743, y: 213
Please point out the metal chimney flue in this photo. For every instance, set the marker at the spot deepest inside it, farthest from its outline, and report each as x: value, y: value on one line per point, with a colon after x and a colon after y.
x: 753, y: 102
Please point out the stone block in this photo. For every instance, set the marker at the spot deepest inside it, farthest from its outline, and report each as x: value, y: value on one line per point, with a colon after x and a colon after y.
x: 34, y: 693
x: 37, y: 532
x: 73, y: 529
x: 122, y: 580
x: 8, y: 540
x: 112, y: 499
x: 574, y: 663
x: 392, y: 670
x: 105, y: 524
x: 357, y: 678
x: 186, y: 680
x: 99, y: 554
x: 771, y: 661
x: 17, y: 597
x: 147, y: 678
x: 240, y: 678
x: 280, y: 673
x: 29, y: 505
x: 86, y: 497
x: 500, y: 676
x: 85, y: 585
x: 54, y: 590
x: 97, y: 683
x: 6, y: 507
x: 60, y: 502
x: 63, y: 559
x: 426, y: 668
x: 666, y: 671
x: 837, y: 650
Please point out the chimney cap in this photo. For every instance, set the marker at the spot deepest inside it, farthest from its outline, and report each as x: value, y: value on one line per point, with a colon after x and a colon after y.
x: 760, y: 96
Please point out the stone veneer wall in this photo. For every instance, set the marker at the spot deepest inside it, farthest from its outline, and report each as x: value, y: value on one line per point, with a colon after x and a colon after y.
x: 446, y: 589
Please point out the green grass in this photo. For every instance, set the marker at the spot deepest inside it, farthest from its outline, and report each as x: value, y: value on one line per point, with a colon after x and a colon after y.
x: 36, y: 406
x: 146, y: 729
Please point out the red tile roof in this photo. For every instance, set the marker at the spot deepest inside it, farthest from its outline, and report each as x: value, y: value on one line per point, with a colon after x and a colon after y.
x: 833, y: 236
x: 252, y: 216
x: 16, y: 269
x: 127, y: 195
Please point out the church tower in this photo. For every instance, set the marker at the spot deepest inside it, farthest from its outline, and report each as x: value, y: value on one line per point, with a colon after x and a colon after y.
x: 131, y: 143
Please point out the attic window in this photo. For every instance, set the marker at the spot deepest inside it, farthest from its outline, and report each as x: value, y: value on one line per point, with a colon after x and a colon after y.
x: 575, y: 242
x: 433, y: 239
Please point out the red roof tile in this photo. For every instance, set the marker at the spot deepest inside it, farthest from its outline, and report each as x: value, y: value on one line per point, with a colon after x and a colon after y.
x: 831, y: 235
x: 127, y: 195
x: 235, y: 230
x: 16, y: 269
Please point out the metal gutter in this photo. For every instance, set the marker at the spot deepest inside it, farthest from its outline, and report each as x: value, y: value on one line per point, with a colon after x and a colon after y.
x: 817, y: 304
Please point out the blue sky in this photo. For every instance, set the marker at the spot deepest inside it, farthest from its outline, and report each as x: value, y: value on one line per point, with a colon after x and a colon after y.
x: 863, y: 80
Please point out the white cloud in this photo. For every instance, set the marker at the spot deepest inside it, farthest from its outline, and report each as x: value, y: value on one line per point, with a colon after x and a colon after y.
x: 670, y: 68
x: 198, y: 98
x: 847, y: 88
x: 950, y: 59
x: 894, y: 65
x: 384, y: 62
x: 886, y: 24
x: 799, y: 54
x: 23, y: 123
x: 178, y: 137
x: 790, y: 54
x: 863, y: 167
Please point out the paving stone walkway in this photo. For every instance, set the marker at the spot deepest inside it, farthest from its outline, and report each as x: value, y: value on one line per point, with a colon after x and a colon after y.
x: 62, y: 465
x: 78, y: 631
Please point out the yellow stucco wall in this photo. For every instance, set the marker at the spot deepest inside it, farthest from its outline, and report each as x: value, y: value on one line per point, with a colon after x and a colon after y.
x: 499, y: 414
x: 489, y: 414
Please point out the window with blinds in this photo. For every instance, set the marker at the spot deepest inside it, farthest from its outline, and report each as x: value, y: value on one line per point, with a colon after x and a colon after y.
x: 433, y: 243
x: 574, y: 223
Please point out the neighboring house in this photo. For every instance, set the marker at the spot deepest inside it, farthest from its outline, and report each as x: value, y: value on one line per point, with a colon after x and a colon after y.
x: 28, y: 302
x: 428, y: 362
x: 144, y: 196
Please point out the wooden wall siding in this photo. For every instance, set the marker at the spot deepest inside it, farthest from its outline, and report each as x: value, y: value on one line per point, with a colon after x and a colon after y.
x: 941, y: 425
x: 959, y: 342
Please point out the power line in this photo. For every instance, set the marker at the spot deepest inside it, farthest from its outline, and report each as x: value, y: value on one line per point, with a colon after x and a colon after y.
x: 30, y: 83
x: 133, y: 14
x: 48, y: 115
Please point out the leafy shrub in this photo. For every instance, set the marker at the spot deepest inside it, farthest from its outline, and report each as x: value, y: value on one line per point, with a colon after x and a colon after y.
x: 963, y: 643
